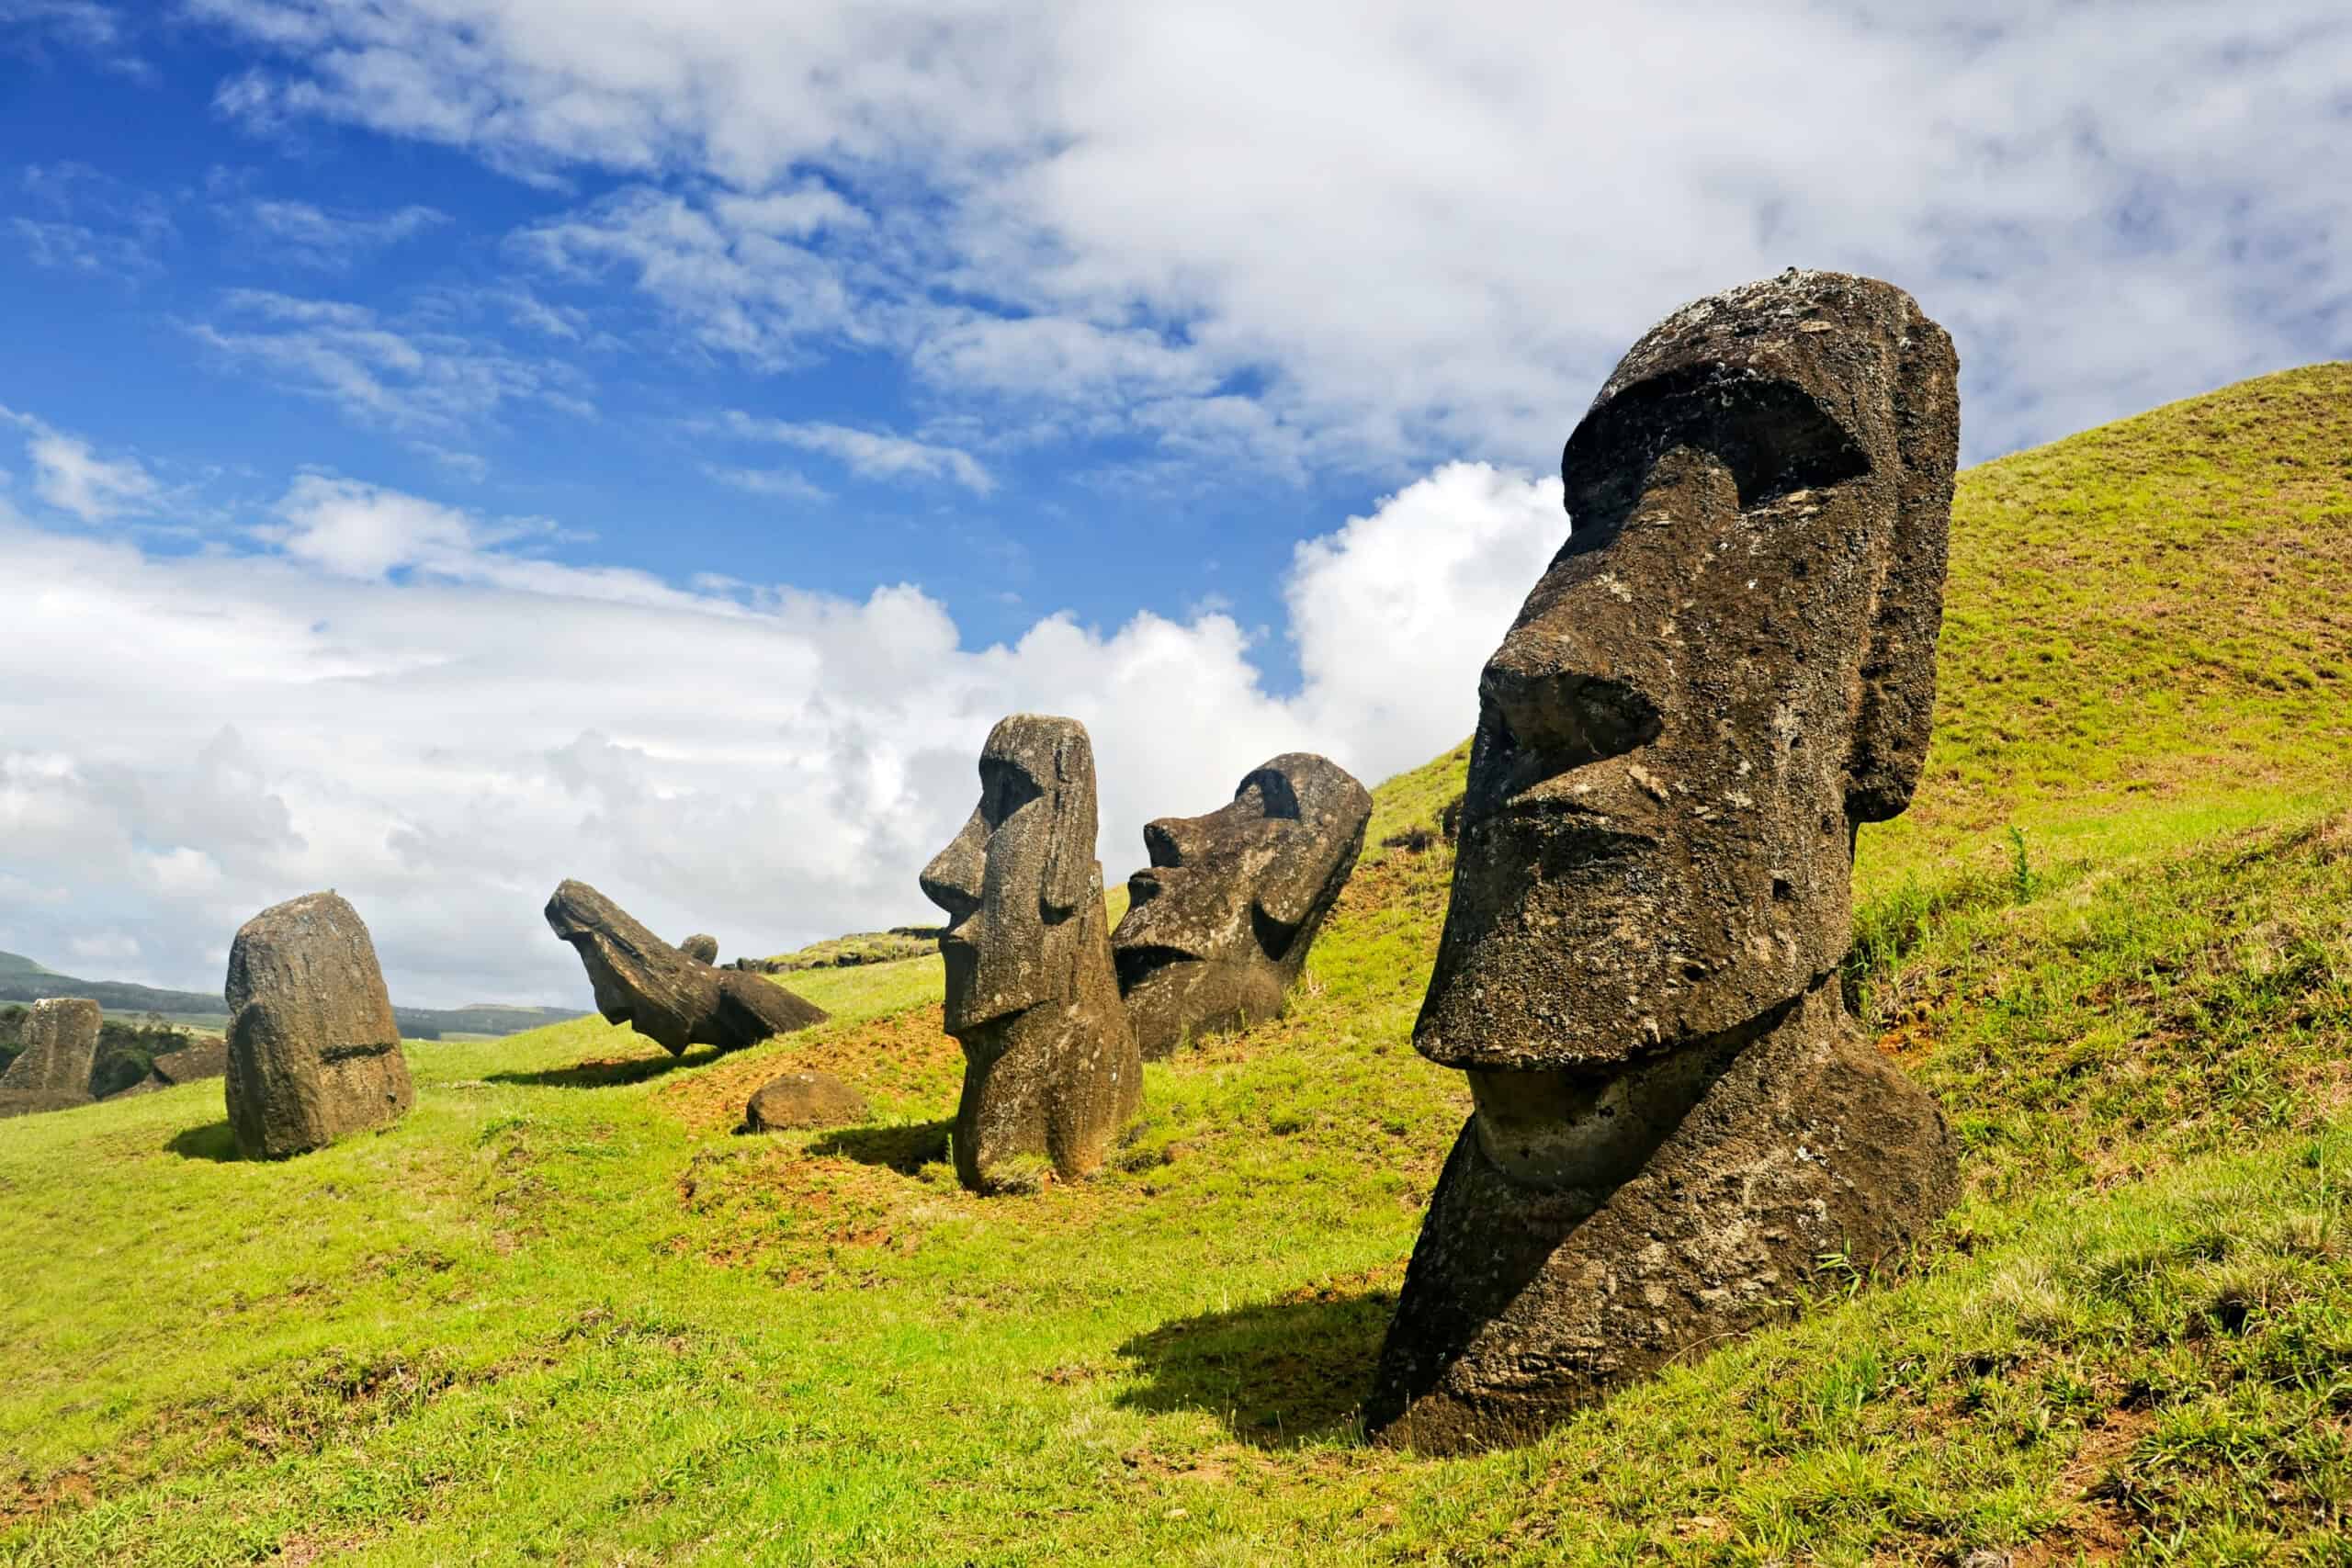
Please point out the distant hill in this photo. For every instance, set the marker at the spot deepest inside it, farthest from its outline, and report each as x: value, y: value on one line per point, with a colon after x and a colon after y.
x: 23, y: 980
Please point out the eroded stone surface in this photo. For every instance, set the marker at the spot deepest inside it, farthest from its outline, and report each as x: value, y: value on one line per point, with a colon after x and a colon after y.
x: 702, y: 947
x: 313, y: 1054
x: 206, y: 1059
x: 52, y: 1071
x: 663, y: 993
x: 1220, y: 924
x: 799, y: 1100
x: 1728, y: 667
x: 1051, y: 1069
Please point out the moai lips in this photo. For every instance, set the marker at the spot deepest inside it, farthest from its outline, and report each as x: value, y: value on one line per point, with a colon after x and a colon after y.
x: 1051, y: 1070
x: 1728, y: 667
x: 1220, y: 924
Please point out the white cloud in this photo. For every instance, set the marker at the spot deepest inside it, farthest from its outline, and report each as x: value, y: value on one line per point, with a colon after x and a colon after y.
x: 1406, y: 232
x: 873, y: 455
x: 296, y: 231
x: 399, y: 700
x: 70, y: 475
x: 429, y: 386
x: 780, y: 484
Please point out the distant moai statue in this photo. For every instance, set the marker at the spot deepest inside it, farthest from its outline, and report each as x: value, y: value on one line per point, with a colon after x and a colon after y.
x: 702, y: 947
x: 1728, y: 667
x: 313, y: 1052
x: 52, y: 1071
x: 673, y: 997
x: 1218, y: 925
x: 1051, y: 1068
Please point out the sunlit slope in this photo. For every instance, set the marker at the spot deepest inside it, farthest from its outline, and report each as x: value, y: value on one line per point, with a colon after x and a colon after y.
x: 562, y: 1313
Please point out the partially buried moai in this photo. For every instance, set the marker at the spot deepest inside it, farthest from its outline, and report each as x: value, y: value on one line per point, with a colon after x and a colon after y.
x: 670, y: 994
x: 313, y: 1051
x: 1218, y: 925
x: 1050, y: 1069
x: 52, y: 1071
x: 1728, y: 668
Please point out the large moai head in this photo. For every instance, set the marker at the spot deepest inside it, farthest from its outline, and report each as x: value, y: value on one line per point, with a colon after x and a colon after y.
x: 1729, y: 665
x: 1219, y: 923
x: 1022, y: 867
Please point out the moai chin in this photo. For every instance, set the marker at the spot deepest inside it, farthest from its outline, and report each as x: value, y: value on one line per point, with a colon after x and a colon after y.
x: 1728, y: 668
x: 1050, y: 1067
x: 1220, y: 924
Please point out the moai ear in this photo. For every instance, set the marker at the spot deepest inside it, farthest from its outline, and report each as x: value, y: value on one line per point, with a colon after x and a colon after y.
x: 1898, y: 698
x: 1070, y: 851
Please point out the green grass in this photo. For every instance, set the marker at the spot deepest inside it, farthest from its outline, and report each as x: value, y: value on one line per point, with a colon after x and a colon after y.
x: 562, y: 1313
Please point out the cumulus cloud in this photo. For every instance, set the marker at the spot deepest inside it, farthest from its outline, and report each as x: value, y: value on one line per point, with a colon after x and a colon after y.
x: 1403, y: 235
x: 396, y: 698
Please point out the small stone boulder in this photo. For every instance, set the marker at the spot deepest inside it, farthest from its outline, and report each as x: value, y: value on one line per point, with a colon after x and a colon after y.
x: 804, y: 1100
x: 702, y: 947
x: 661, y: 993
x: 313, y: 1054
x: 53, y: 1072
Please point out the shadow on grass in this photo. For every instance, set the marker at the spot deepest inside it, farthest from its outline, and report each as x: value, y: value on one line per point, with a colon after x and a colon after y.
x: 1281, y: 1374
x: 215, y: 1142
x: 903, y: 1149
x: 605, y: 1071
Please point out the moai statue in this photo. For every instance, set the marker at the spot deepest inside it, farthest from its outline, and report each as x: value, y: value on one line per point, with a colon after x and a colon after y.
x: 671, y: 996
x: 313, y: 1052
x: 702, y: 947
x: 1218, y: 925
x: 1728, y: 668
x: 1050, y: 1064
x: 52, y: 1071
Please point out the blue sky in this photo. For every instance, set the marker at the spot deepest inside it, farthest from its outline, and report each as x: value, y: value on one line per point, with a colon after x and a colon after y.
x: 452, y: 445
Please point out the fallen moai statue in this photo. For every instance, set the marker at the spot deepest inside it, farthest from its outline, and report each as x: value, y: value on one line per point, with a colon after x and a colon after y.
x: 659, y: 991
x: 1051, y: 1070
x: 313, y: 1054
x: 1728, y: 667
x: 1218, y: 925
x: 52, y: 1071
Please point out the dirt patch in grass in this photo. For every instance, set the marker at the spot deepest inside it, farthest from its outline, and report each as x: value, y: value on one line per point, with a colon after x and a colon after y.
x: 906, y: 1055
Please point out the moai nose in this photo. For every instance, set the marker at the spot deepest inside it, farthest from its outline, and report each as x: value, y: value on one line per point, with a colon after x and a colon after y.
x: 1561, y: 710
x: 1173, y: 841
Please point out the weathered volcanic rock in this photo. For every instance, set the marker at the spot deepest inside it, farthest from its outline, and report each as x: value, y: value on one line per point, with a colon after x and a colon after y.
x: 1727, y: 669
x: 804, y: 1100
x: 1218, y: 925
x: 1051, y: 1070
x: 701, y: 947
x: 206, y: 1059
x: 53, y: 1072
x: 313, y: 1054
x: 657, y: 990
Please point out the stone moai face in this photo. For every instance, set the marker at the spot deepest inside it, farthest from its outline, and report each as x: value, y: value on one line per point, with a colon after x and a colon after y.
x: 1023, y: 865
x: 1728, y: 666
x: 1219, y: 923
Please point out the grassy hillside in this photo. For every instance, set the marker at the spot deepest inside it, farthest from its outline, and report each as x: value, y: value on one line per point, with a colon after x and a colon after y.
x: 562, y: 1313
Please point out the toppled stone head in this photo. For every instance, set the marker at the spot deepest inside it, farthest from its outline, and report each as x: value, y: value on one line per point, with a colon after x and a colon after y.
x: 1050, y: 1064
x: 668, y: 996
x: 1727, y: 669
x: 1220, y: 924
x: 314, y: 1054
